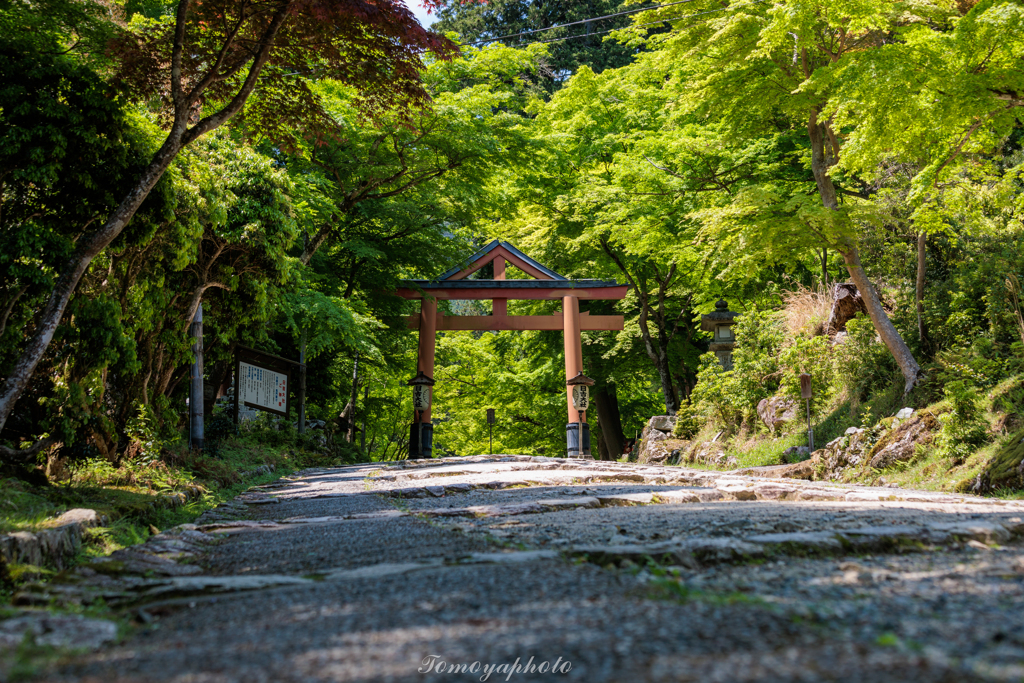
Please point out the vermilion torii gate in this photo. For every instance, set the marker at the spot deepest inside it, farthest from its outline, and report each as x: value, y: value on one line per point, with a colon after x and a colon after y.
x: 547, y: 285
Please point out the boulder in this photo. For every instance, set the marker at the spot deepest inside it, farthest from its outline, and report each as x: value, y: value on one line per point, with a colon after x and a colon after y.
x: 777, y: 411
x: 655, y: 448
x: 662, y: 423
x: 900, y: 444
x: 54, y: 546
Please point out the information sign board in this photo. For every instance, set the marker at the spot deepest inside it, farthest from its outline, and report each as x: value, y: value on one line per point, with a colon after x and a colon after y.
x: 262, y: 388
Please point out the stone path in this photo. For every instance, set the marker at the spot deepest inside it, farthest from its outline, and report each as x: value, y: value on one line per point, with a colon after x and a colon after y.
x: 610, y: 572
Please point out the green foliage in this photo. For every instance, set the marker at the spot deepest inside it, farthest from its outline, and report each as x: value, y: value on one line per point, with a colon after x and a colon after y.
x: 862, y: 364
x: 141, y: 429
x: 963, y: 428
x: 480, y: 21
x: 717, y: 393
x: 688, y: 422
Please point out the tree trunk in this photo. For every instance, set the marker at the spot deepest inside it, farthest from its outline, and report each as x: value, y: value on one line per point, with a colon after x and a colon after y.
x: 922, y: 332
x: 609, y: 420
x: 886, y: 330
x: 602, y: 446
x: 820, y: 164
x: 667, y: 387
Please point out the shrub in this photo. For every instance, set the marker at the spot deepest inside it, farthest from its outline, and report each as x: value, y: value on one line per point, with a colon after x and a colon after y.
x: 807, y: 311
x: 688, y: 421
x: 815, y: 357
x: 963, y: 428
x: 861, y: 361
x: 220, y: 427
x: 716, y: 391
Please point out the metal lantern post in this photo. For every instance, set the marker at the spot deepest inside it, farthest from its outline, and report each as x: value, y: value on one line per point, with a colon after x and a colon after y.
x: 421, y: 385
x: 580, y: 401
x: 806, y: 392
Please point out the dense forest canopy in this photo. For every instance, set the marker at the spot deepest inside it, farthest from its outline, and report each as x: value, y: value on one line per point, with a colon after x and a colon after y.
x: 286, y: 164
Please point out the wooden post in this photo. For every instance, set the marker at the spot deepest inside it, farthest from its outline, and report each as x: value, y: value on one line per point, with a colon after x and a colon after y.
x: 499, y: 306
x: 238, y: 383
x: 428, y: 340
x: 195, y: 403
x: 302, y: 383
x: 573, y: 351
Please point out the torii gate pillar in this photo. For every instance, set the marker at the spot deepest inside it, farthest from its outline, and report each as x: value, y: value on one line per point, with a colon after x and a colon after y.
x: 576, y: 428
x: 424, y: 428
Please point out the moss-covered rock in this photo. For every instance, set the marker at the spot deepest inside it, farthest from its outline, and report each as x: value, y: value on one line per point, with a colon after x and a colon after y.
x: 1004, y: 470
x: 899, y: 445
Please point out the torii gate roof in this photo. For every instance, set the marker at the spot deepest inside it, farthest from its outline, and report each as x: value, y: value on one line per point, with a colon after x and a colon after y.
x: 548, y: 285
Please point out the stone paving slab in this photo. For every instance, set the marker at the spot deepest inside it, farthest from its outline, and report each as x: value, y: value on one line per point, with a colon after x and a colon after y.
x: 631, y: 573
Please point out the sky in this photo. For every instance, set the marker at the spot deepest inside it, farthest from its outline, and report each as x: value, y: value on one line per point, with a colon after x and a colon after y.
x: 421, y: 13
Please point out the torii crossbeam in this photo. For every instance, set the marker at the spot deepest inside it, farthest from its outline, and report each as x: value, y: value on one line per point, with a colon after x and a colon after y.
x: 547, y: 285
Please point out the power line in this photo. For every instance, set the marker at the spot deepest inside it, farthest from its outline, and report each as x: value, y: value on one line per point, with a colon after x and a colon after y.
x: 577, y: 23
x: 650, y: 23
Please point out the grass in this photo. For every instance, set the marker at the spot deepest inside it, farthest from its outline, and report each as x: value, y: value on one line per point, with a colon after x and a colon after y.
x: 997, y: 464
x: 132, y: 495
x: 21, y: 508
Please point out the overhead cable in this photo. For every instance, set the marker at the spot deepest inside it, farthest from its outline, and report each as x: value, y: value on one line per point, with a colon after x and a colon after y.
x: 577, y: 23
x: 650, y: 23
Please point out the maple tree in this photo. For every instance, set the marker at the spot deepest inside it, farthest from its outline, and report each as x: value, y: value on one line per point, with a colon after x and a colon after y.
x: 199, y: 63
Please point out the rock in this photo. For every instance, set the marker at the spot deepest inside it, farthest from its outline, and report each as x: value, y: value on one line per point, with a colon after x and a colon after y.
x: 853, y: 430
x: 662, y: 423
x: 626, y: 499
x: 50, y: 547
x: 569, y: 503
x: 905, y: 414
x: 656, y: 436
x: 713, y: 550
x: 985, y: 532
x: 737, y: 491
x: 680, y: 495
x: 83, y: 516
x: 639, y: 554
x: 800, y: 542
x: 900, y: 444
x: 777, y: 411
x: 657, y: 448
x: 56, y: 630
x: 775, y: 491
x: 808, y: 493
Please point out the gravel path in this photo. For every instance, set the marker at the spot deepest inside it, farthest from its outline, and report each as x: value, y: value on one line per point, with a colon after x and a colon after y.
x: 615, y: 572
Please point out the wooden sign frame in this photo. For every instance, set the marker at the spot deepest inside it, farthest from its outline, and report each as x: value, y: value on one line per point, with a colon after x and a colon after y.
x: 265, y: 361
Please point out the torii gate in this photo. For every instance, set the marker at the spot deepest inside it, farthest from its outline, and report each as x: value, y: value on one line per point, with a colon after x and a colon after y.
x: 547, y: 285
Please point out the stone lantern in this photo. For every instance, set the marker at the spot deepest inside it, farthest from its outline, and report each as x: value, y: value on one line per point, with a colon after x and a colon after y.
x: 720, y: 323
